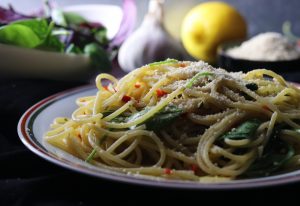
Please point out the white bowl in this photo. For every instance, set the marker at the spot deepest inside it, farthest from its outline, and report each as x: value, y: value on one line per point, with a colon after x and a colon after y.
x: 108, y: 15
x: 31, y: 63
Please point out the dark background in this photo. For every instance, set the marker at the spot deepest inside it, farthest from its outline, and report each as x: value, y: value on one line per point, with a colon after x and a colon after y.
x: 26, y: 179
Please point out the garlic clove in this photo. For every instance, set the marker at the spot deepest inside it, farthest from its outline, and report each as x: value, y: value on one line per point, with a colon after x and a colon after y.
x: 150, y: 42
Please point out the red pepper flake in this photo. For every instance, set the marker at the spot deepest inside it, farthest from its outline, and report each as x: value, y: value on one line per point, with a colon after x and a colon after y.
x: 181, y: 64
x: 137, y: 85
x: 168, y: 171
x: 194, y: 167
x: 126, y: 98
x: 79, y: 136
x: 107, y: 89
x: 160, y: 92
x: 266, y: 107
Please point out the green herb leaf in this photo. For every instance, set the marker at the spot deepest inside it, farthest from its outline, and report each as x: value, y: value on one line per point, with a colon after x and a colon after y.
x: 164, y: 118
x: 270, y: 162
x: 161, y: 119
x: 73, y: 18
x: 72, y: 49
x: 51, y: 43
x: 276, y: 153
x: 91, y: 155
x: 119, y: 119
x: 297, y: 130
x: 39, y: 26
x: 33, y: 33
x: 19, y: 35
x: 190, y: 83
x: 245, y: 131
x: 98, y: 56
x: 138, y: 114
x: 168, y: 61
x: 94, y: 151
x: 101, y: 36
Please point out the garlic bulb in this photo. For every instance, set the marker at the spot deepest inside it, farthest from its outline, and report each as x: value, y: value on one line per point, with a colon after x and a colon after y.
x: 150, y: 42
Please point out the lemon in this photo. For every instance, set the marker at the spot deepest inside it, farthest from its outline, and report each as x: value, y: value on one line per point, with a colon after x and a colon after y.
x: 208, y: 25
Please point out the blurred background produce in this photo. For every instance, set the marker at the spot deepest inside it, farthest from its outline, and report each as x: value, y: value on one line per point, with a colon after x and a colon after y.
x: 208, y: 25
x: 259, y: 16
x: 66, y: 43
x: 269, y: 46
x: 150, y: 42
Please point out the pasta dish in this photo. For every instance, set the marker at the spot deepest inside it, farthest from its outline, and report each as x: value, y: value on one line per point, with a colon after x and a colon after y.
x: 186, y: 121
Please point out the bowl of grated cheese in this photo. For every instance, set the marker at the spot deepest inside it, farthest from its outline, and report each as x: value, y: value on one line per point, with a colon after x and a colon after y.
x: 267, y: 50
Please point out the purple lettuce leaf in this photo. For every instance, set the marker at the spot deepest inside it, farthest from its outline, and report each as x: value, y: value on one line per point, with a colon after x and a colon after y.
x: 8, y: 15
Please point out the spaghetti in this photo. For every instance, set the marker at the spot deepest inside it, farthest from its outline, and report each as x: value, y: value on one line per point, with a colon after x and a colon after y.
x: 188, y: 121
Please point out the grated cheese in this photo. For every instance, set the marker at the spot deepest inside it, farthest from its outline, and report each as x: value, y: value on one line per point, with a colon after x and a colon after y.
x: 270, y: 46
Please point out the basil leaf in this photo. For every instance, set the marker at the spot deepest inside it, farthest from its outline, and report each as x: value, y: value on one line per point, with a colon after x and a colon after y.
x: 119, y: 119
x: 138, y: 114
x: 244, y: 131
x: 164, y: 118
x: 276, y: 153
x: 297, y: 130
x: 161, y: 119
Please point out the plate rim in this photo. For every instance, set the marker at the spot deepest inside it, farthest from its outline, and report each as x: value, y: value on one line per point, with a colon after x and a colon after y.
x: 27, y: 137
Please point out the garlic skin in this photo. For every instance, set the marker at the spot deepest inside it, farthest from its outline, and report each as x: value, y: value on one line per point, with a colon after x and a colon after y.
x: 150, y: 42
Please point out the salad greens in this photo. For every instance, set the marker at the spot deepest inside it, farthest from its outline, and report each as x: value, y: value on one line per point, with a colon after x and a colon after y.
x: 52, y: 29
x: 65, y: 33
x: 32, y: 33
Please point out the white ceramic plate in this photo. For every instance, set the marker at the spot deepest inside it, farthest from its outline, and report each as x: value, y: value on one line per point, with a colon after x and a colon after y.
x: 36, y: 120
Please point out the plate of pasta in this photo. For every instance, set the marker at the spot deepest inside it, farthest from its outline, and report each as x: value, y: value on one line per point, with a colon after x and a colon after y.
x: 172, y: 123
